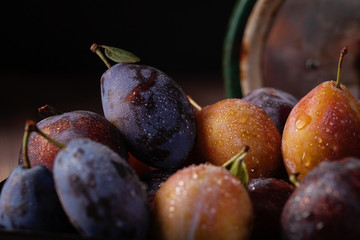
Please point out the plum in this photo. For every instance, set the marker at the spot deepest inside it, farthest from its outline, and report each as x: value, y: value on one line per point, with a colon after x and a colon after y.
x: 326, y: 204
x: 100, y: 193
x: 268, y: 196
x: 275, y: 102
x: 29, y: 201
x: 70, y: 125
x: 151, y: 111
x: 202, y: 202
x: 226, y: 126
x: 153, y: 180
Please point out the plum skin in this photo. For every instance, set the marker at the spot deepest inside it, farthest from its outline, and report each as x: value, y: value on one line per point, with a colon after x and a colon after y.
x: 99, y: 191
x: 275, y: 102
x: 268, y: 196
x: 29, y: 201
x: 202, y: 202
x: 326, y: 204
x: 68, y: 126
x: 225, y: 127
x: 151, y: 111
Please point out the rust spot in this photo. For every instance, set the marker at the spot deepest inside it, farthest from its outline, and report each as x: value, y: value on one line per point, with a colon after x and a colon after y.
x: 244, y: 54
x: 134, y: 95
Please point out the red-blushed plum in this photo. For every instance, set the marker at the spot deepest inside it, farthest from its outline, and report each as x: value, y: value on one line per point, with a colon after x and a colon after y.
x: 323, y: 125
x: 227, y: 126
x: 67, y: 126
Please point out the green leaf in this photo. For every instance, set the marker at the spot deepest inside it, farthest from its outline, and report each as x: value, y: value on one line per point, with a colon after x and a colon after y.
x: 293, y: 179
x: 120, y: 55
x: 237, y: 166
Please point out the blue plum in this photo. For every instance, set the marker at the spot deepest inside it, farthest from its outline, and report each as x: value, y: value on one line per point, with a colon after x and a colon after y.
x: 151, y: 111
x: 99, y: 191
x: 29, y: 201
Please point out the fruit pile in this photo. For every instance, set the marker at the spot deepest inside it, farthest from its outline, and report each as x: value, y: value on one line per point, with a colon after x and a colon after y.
x: 159, y: 166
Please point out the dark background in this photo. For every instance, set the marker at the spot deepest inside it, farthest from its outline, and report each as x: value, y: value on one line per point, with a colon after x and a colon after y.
x: 46, y: 58
x: 45, y: 46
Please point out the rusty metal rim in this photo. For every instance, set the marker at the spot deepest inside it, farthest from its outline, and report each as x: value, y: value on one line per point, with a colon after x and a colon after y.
x: 248, y: 29
x: 253, y: 43
x: 231, y: 47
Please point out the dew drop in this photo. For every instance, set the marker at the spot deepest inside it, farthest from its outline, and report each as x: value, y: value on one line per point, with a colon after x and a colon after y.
x: 307, y: 163
x: 243, y: 118
x: 319, y: 225
x: 306, y: 214
x: 302, y: 121
x: 171, y: 209
x: 318, y: 139
x: 177, y: 190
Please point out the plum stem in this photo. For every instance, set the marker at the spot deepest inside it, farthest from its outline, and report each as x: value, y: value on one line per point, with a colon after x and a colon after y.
x: 193, y: 103
x: 237, y: 166
x: 95, y: 48
x: 342, y: 54
x: 30, y: 126
x: 49, y: 110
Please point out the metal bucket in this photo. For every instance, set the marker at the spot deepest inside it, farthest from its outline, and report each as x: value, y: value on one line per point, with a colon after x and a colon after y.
x: 291, y: 45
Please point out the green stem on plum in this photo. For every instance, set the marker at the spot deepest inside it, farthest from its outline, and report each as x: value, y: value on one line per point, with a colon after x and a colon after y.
x: 342, y: 54
x: 29, y: 127
x: 95, y: 48
x: 237, y: 166
x: 194, y: 104
x: 293, y: 179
